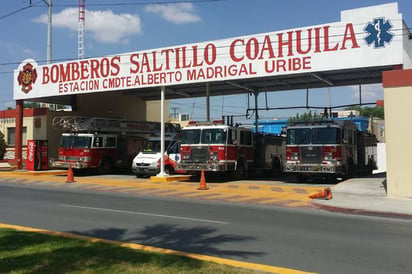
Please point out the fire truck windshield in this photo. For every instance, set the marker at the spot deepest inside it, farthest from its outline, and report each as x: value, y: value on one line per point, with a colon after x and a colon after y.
x: 317, y: 135
x: 298, y: 136
x: 213, y: 136
x: 328, y: 135
x: 72, y: 141
x: 191, y: 136
x: 204, y: 136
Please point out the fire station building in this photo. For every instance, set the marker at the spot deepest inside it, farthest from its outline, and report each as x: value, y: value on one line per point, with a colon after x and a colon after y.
x: 366, y: 46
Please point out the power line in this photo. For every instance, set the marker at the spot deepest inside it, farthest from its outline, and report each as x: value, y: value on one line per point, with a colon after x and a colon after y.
x: 18, y: 10
x: 36, y: 5
x: 14, y: 12
x: 139, y: 3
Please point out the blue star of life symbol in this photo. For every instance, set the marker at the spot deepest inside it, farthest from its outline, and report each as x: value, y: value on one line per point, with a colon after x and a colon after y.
x: 379, y: 32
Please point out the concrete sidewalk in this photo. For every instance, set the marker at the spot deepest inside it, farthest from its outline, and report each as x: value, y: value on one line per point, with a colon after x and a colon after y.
x: 366, y: 196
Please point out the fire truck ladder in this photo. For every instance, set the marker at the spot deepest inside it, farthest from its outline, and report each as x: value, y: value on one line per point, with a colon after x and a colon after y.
x: 81, y: 123
x: 89, y: 124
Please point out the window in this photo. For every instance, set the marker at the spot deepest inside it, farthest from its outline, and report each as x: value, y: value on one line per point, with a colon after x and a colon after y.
x: 174, y: 149
x: 297, y: 136
x: 329, y: 135
x: 214, y: 136
x: 11, y: 136
x: 98, y: 142
x: 73, y: 141
x: 246, y: 138
x: 111, y: 142
x: 191, y: 136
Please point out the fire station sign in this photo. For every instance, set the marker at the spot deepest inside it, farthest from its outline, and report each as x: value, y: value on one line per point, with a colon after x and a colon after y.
x: 366, y: 37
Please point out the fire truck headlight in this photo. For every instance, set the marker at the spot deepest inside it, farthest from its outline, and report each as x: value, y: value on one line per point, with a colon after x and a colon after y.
x: 294, y: 156
x: 213, y: 156
x: 62, y: 158
x: 328, y: 156
x: 84, y: 159
x: 186, y: 157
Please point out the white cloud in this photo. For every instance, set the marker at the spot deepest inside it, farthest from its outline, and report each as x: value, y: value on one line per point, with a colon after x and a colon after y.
x: 369, y: 93
x: 179, y: 13
x: 104, y: 25
x: 16, y: 49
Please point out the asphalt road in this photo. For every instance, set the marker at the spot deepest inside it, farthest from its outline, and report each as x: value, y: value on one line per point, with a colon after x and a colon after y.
x: 304, y: 239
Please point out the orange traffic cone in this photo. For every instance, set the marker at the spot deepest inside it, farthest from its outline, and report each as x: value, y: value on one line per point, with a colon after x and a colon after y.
x: 202, y: 185
x: 326, y: 194
x: 70, y: 178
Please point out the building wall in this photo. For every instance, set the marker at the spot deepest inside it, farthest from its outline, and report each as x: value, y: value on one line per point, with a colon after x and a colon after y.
x: 112, y: 105
x: 39, y: 122
x: 153, y: 111
x: 120, y: 105
x: 398, y: 132
x: 35, y: 122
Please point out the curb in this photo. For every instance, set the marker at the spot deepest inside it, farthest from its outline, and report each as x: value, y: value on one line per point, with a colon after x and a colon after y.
x: 207, y: 258
x: 169, y: 178
x: 357, y: 211
x: 32, y: 173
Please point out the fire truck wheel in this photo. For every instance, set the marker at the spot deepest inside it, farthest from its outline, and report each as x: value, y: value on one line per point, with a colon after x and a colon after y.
x: 276, y: 167
x: 105, y: 166
x: 350, y: 168
x: 241, y: 171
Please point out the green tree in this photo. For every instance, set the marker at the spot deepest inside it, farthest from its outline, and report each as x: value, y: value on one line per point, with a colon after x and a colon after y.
x: 369, y: 111
x: 306, y: 117
x: 3, y: 146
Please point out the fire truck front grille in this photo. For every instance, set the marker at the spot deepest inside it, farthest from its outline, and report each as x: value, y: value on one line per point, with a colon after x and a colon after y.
x: 200, y: 154
x: 311, y: 155
x: 69, y: 158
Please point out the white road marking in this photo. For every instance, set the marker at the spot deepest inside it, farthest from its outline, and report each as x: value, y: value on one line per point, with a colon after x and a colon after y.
x: 146, y: 214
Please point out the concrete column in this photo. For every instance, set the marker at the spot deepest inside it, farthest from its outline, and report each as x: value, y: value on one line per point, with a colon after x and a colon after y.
x: 398, y: 131
x: 18, y: 144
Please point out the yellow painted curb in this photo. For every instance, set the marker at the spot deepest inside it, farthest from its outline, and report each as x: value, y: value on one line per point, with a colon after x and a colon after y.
x: 170, y: 178
x: 34, y: 173
x: 253, y: 266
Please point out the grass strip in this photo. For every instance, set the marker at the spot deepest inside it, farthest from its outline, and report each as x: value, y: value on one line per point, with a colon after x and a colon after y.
x: 29, y: 252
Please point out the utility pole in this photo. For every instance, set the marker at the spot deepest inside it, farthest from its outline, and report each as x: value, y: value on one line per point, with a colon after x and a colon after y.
x: 49, y: 37
x: 49, y: 30
x: 175, y: 111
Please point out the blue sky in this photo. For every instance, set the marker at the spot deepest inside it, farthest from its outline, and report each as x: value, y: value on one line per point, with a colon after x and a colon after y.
x: 133, y: 25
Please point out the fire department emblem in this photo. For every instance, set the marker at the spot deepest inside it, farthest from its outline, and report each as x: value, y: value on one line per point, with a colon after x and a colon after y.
x: 27, y: 77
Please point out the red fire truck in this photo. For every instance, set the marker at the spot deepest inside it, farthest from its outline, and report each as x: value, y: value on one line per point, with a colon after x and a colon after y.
x: 101, y: 143
x: 217, y: 147
x: 333, y: 148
